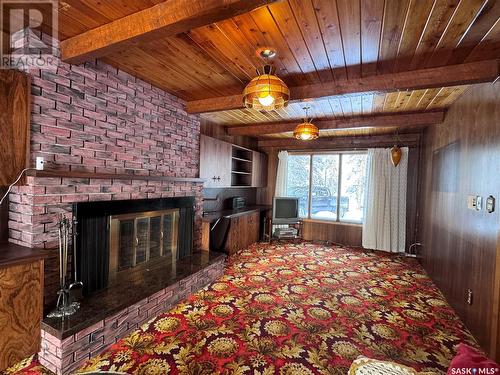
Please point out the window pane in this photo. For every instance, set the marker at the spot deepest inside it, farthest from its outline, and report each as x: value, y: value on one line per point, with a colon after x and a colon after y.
x: 325, y: 186
x: 353, y: 187
x: 297, y: 184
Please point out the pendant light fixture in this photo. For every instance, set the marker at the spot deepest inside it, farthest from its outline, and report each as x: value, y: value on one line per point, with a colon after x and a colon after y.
x: 396, y: 153
x: 266, y: 92
x: 306, y: 131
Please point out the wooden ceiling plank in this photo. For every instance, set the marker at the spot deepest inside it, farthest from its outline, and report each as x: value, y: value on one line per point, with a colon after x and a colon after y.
x: 395, y: 19
x: 489, y: 47
x: 350, y: 25
x: 439, y: 18
x: 287, y: 24
x: 381, y: 120
x: 419, y: 12
x: 489, y: 16
x: 341, y: 142
x: 454, y: 75
x: 328, y: 21
x: 372, y: 13
x: 165, y: 19
x: 274, y: 38
x: 461, y: 21
x: 305, y: 16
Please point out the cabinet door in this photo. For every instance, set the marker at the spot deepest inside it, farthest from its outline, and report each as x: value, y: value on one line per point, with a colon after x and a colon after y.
x: 259, y: 169
x: 208, y: 160
x: 223, y: 164
x: 233, y: 241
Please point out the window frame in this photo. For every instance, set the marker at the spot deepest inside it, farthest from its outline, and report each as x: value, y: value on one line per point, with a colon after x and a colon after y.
x: 339, y: 182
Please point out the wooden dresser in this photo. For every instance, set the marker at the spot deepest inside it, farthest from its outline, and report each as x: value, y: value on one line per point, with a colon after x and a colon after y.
x: 21, y: 302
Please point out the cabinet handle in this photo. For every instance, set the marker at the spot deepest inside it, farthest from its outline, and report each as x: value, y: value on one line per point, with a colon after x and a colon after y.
x: 218, y: 178
x: 214, y: 178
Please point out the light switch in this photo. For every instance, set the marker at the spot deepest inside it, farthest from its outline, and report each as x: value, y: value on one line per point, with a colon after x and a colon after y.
x: 479, y: 203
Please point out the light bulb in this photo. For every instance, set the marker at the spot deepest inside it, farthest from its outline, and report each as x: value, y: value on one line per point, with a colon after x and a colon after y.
x: 266, y: 101
x: 305, y: 136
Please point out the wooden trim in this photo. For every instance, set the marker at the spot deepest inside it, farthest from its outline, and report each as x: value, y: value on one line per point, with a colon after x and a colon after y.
x: 495, y: 313
x: 381, y: 120
x: 162, y: 20
x: 332, y: 222
x: 4, y: 216
x: 338, y: 143
x: 452, y: 75
x: 110, y: 176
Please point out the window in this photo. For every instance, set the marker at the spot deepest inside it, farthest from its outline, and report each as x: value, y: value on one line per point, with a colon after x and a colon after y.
x: 330, y: 186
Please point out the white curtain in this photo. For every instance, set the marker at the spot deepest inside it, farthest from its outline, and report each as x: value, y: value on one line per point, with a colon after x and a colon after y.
x: 281, y: 176
x: 384, y: 227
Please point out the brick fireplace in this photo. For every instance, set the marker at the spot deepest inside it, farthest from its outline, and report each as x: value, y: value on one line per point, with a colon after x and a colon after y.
x: 99, y: 121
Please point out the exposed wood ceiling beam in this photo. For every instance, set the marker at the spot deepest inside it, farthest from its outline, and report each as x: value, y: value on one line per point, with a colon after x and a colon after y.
x: 452, y: 75
x: 410, y: 140
x: 400, y: 120
x: 162, y: 20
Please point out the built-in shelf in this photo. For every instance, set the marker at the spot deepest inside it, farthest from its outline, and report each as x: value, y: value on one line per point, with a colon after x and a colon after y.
x: 110, y: 176
x: 239, y: 172
x: 241, y: 166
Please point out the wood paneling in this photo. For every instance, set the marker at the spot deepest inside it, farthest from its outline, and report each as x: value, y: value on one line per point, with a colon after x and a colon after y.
x: 340, y: 233
x: 318, y: 41
x: 21, y: 306
x: 218, y: 131
x: 259, y: 169
x: 462, y: 157
x: 342, y: 143
x: 378, y: 121
x: 446, y: 76
x: 161, y: 20
x: 4, y: 217
x: 15, y: 93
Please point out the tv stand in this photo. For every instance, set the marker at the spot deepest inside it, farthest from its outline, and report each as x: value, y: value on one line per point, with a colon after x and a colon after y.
x: 269, y: 229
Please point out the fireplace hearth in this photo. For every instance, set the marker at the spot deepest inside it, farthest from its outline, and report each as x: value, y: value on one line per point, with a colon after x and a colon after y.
x: 119, y: 237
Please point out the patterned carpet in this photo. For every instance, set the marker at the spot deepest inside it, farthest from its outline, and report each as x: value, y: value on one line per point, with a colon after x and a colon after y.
x: 296, y: 309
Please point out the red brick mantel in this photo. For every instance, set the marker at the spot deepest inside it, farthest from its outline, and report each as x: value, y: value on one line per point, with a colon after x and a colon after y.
x: 94, y: 118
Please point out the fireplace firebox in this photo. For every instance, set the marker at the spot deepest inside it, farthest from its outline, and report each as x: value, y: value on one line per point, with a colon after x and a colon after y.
x: 118, y: 237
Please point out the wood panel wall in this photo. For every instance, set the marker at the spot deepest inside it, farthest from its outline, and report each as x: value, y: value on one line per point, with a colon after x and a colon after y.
x: 15, y: 93
x: 213, y: 130
x: 461, y: 157
x: 341, y: 233
x: 21, y: 305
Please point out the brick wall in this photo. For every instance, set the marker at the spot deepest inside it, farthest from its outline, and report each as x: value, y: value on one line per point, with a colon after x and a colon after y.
x: 95, y: 118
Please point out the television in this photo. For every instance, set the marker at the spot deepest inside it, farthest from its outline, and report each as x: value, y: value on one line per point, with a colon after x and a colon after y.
x: 285, y: 210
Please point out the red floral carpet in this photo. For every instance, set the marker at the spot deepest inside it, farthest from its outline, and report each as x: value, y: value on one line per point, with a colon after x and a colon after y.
x: 297, y: 309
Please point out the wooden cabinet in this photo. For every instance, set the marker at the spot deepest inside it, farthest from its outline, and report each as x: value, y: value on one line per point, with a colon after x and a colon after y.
x: 259, y: 169
x: 21, y: 309
x: 226, y: 165
x: 15, y: 93
x: 215, y: 162
x: 243, y: 231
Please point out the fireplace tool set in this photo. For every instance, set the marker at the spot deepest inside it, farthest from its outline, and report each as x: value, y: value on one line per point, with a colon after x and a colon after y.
x: 68, y: 296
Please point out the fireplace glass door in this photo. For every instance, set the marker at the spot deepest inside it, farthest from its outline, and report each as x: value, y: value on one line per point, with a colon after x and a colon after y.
x: 140, y: 238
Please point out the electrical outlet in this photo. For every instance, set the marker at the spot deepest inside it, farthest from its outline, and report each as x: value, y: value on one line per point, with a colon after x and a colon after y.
x: 39, y: 163
x: 469, y: 297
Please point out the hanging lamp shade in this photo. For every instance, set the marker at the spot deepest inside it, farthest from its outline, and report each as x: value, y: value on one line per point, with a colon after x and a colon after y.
x: 396, y: 154
x: 306, y: 131
x: 266, y: 91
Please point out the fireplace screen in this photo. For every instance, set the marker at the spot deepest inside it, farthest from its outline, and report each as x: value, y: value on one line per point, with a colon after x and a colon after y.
x: 139, y: 238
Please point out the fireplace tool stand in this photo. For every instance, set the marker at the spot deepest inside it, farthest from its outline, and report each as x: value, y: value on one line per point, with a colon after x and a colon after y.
x: 64, y: 306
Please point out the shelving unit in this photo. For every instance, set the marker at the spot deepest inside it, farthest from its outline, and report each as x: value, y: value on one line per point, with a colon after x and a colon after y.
x: 241, y: 166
